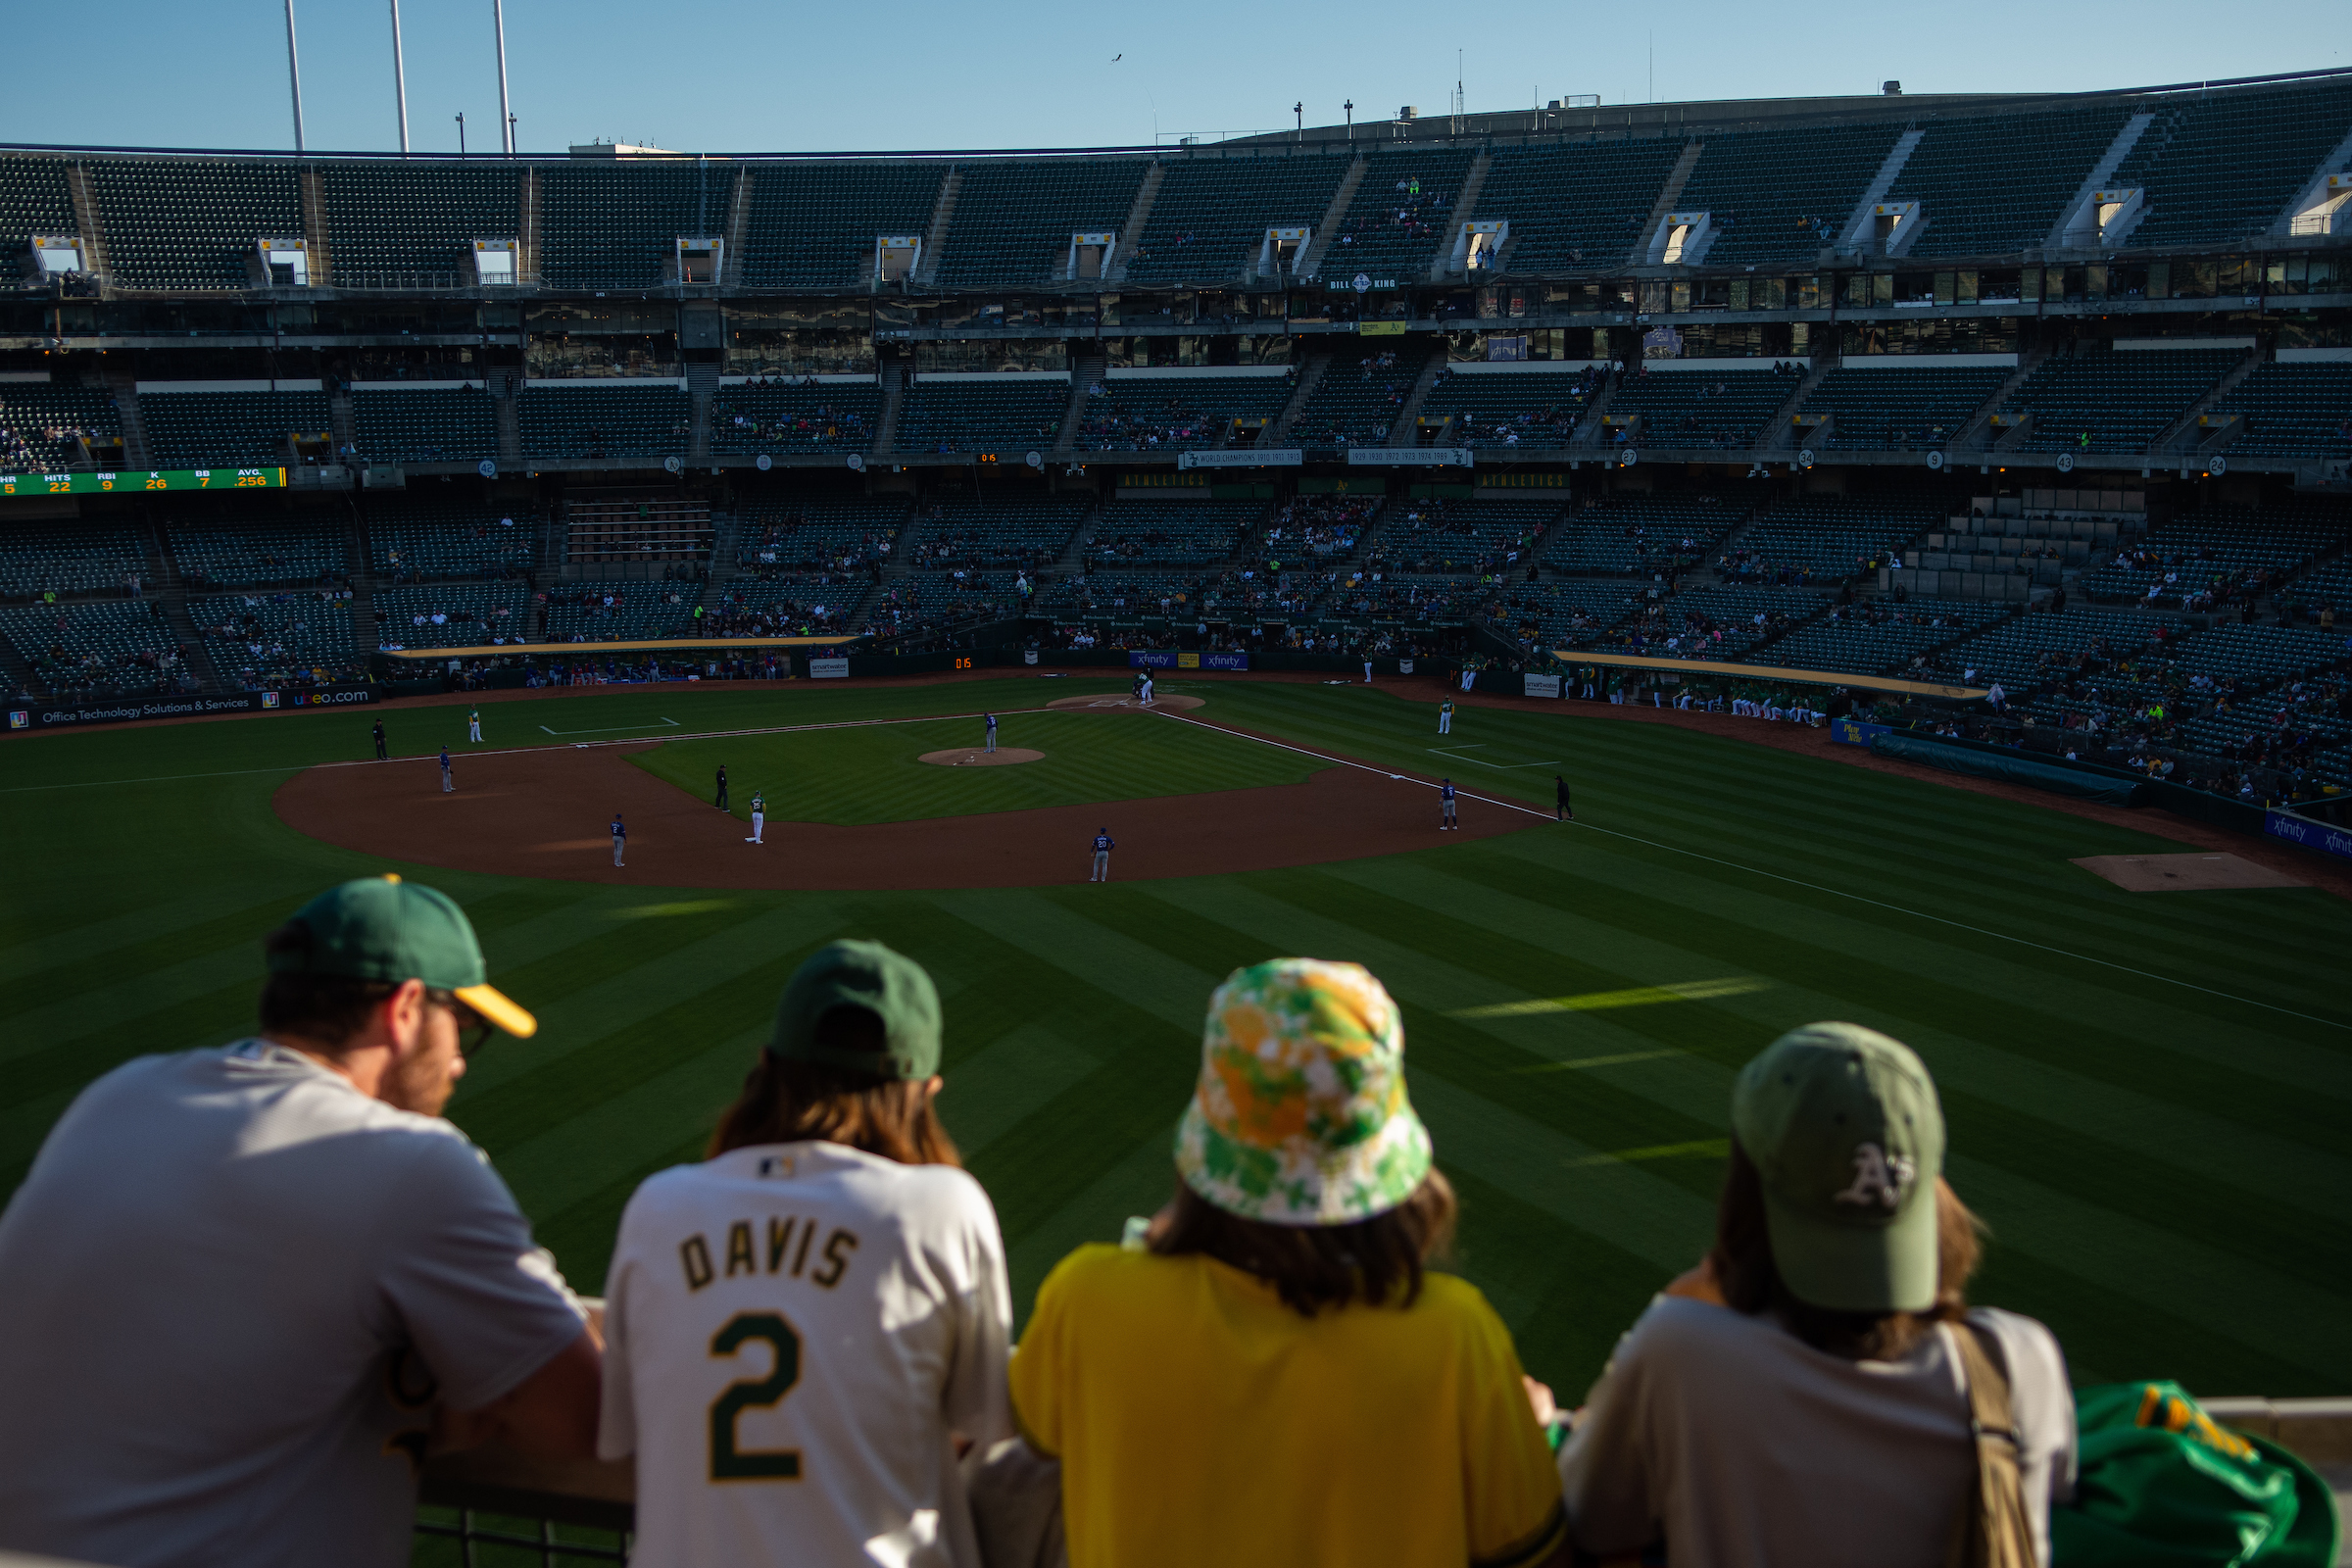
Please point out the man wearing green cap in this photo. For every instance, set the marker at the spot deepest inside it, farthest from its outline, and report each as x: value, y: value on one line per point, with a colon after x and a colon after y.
x: 801, y: 1325
x: 244, y: 1284
x: 1806, y: 1393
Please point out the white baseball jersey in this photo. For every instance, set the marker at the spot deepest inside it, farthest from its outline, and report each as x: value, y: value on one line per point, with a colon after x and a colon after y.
x: 792, y: 1332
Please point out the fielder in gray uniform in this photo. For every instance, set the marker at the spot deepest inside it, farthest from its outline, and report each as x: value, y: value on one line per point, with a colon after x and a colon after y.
x: 1103, y: 845
x: 244, y: 1283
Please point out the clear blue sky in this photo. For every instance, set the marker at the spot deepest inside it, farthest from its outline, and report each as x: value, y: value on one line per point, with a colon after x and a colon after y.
x: 724, y: 75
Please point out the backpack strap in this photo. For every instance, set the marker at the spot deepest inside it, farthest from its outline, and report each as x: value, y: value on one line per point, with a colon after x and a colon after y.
x: 1994, y: 1530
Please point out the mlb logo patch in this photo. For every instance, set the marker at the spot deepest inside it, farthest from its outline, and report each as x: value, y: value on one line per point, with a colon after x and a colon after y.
x: 268, y: 698
x: 18, y: 718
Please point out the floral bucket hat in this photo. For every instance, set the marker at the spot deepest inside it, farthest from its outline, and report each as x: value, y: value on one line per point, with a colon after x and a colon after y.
x: 1301, y: 1116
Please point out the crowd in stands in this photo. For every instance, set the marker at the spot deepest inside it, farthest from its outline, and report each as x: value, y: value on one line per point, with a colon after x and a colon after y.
x: 1415, y: 216
x: 103, y: 649
x: 1318, y: 525
x: 271, y: 639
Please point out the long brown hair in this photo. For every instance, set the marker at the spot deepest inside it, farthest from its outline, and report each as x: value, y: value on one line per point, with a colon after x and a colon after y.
x: 1378, y: 1261
x: 1751, y: 1282
x: 795, y: 1102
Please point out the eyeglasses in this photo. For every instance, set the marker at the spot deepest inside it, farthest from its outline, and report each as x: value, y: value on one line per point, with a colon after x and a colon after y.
x: 473, y: 1029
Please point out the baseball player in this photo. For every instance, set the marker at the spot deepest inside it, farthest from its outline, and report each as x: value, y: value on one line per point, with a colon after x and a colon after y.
x: 1567, y: 812
x: 381, y: 754
x: 473, y: 724
x: 448, y: 784
x: 721, y: 802
x: 992, y: 731
x: 1147, y: 688
x: 1446, y: 806
x: 1367, y: 672
x: 1445, y: 718
x: 797, y: 1325
x: 620, y: 837
x: 759, y: 816
x: 1103, y: 845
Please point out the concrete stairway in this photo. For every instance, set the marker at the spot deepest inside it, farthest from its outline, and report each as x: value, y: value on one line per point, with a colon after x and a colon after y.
x: 1131, y: 234
x: 2183, y: 434
x: 1781, y: 432
x: 739, y: 228
x: 702, y: 385
x: 893, y: 399
x: 361, y: 559
x: 935, y: 238
x: 1972, y: 435
x: 1668, y: 194
x: 1402, y: 433
x: 1318, y: 244
x: 1465, y: 208
x: 1086, y: 370
x: 1309, y: 375
x: 504, y: 390
x: 138, y: 452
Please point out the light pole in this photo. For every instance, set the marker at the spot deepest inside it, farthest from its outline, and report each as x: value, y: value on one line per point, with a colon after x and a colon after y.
x: 461, y: 133
x: 399, y: 82
x: 294, y: 73
x: 1349, y: 106
x: 1298, y: 108
x: 498, y: 19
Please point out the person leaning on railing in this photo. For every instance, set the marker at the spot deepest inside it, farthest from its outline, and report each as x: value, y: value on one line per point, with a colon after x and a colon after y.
x: 247, y: 1286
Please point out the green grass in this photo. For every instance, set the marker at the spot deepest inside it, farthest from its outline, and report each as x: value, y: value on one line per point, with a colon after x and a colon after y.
x: 2146, y: 1094
x: 870, y: 773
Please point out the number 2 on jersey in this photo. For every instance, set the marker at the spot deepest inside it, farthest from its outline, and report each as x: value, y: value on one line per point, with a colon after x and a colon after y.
x: 728, y: 1463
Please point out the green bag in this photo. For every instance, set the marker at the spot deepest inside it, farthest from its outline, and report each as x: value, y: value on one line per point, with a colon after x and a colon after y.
x: 2161, y: 1483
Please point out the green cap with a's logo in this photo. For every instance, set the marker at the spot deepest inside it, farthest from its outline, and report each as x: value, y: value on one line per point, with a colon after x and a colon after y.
x: 382, y: 928
x: 868, y: 977
x: 1844, y: 1126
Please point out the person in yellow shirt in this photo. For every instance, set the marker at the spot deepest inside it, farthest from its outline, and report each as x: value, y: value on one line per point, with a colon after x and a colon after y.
x: 1272, y: 1375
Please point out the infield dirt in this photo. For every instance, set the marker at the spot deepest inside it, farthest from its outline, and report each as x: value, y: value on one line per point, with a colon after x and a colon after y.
x: 544, y: 813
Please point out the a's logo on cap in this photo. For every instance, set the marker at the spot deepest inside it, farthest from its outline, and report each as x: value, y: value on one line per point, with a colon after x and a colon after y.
x: 1880, y: 1178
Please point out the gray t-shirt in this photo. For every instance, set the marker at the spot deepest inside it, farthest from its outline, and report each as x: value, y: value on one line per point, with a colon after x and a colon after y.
x: 234, y: 1286
x: 1743, y: 1446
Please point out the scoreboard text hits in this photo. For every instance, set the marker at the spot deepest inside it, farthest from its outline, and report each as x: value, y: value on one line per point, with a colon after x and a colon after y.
x: 85, y: 484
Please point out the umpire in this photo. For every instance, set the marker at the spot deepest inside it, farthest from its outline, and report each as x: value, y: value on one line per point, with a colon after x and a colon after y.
x: 241, y: 1278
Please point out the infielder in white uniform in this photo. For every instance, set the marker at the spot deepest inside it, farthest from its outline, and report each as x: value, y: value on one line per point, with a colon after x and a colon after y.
x: 1445, y: 720
x: 473, y: 724
x: 796, y: 1326
x: 759, y: 816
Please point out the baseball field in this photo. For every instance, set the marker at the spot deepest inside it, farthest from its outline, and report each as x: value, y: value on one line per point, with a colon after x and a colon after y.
x: 2147, y: 1092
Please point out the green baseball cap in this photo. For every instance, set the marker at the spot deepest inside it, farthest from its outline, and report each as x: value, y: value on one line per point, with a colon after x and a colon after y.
x: 1844, y: 1126
x: 382, y: 928
x: 871, y: 978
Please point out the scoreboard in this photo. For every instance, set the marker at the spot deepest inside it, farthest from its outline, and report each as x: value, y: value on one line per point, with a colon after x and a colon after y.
x: 85, y: 483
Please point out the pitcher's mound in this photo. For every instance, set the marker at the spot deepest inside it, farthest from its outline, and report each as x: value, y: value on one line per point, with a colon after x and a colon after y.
x: 973, y: 757
x: 2185, y: 873
x: 1111, y: 700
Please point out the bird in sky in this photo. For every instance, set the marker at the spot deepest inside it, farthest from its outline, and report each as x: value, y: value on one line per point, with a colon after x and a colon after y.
x: 1116, y: 59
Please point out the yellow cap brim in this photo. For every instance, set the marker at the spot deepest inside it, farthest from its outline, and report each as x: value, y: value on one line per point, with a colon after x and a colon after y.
x: 494, y: 1005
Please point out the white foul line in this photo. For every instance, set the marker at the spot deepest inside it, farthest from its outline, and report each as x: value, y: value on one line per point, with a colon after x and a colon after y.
x: 1881, y: 903
x: 607, y: 729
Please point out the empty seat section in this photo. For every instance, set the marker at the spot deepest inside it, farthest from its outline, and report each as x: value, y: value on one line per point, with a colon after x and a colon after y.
x: 67, y: 558
x: 297, y: 547
x: 826, y: 417
x: 2030, y: 651
x: 265, y: 640
x: 113, y: 648
x: 616, y: 224
x: 1125, y: 594
x: 438, y: 424
x: 2217, y: 170
x: 231, y: 429
x: 2000, y: 183
x: 1208, y: 221
x: 412, y: 540
x: 817, y: 539
x: 1701, y: 408
x: 34, y: 199
x: 191, y: 225
x: 2114, y: 402
x: 1400, y: 214
x: 1176, y: 412
x: 1017, y: 413
x: 604, y: 422
x: 1405, y: 603
x: 452, y: 614
x: 1458, y: 536
x: 1014, y: 220
x: 1715, y: 623
x: 1136, y: 533
x: 2204, y: 558
x: 410, y: 226
x: 1825, y: 538
x: 1558, y: 615
x: 1359, y: 397
x: 1898, y: 408
x: 1638, y: 536
x: 55, y: 426
x: 603, y: 611
x: 1507, y: 409
x: 1578, y: 206
x: 1882, y: 637
x: 814, y: 225
x: 1029, y: 532
x: 1782, y: 195
x: 2290, y: 411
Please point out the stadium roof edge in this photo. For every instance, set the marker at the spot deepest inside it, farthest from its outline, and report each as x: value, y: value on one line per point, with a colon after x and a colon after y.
x: 1659, y: 118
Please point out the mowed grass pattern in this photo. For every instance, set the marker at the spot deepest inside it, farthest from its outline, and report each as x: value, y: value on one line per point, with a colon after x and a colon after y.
x: 2146, y: 1093
x: 871, y: 773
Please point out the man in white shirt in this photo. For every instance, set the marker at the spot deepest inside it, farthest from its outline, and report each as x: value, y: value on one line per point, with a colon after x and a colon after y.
x: 801, y: 1325
x: 241, y: 1280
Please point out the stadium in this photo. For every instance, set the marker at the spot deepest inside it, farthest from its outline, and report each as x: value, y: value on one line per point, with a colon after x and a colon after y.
x: 1915, y: 527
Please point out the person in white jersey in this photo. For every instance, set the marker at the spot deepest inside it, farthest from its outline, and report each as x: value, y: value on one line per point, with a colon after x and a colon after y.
x: 241, y: 1278
x: 801, y: 1326
x: 759, y: 817
x: 474, y: 723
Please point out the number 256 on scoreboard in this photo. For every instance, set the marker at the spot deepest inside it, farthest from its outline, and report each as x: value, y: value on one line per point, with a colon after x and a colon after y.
x: 84, y: 482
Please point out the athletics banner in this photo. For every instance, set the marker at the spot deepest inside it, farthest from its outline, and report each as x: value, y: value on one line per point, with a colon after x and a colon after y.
x: 1854, y: 732
x: 37, y: 716
x: 2311, y: 835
